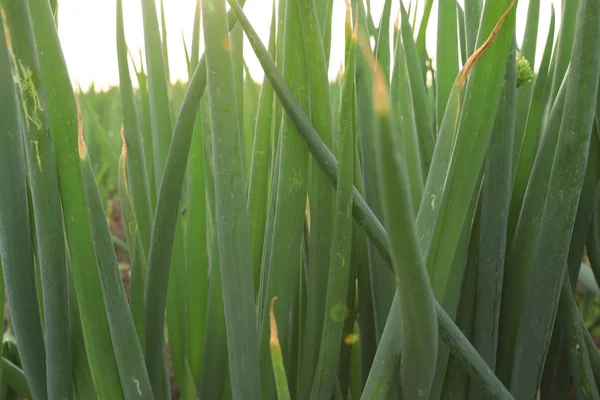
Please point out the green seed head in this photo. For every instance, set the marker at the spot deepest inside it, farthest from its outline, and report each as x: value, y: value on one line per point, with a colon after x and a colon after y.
x: 524, y: 73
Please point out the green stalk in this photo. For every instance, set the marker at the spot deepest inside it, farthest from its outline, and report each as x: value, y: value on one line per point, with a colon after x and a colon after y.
x: 381, y: 279
x: 14, y: 377
x: 462, y: 33
x: 137, y: 256
x: 290, y: 195
x: 258, y: 186
x: 160, y: 113
x: 163, y: 232
x: 531, y: 137
x: 146, y: 130
x: 455, y: 300
x: 421, y: 50
x: 556, y: 370
x: 83, y: 384
x: 495, y: 205
x: 196, y: 248
x: 177, y: 323
x: 564, y: 47
x: 579, y: 361
x: 447, y: 54
x: 470, y: 359
x: 478, y: 106
x: 568, y: 170
x: 459, y: 345
x: 418, y: 323
x: 325, y: 28
x: 196, y: 243
x: 381, y: 375
x: 62, y: 113
x: 237, y: 57
x: 592, y: 349
x: 336, y: 309
x: 136, y: 168
x: 187, y: 54
x: 251, y: 94
x: 16, y: 248
x: 231, y: 215
x: 473, y: 10
x: 524, y: 96
x: 382, y: 45
x: 195, y: 55
x: 405, y: 121
x: 520, y: 255
x: 127, y: 348
x: 49, y: 228
x: 321, y: 196
x: 214, y: 365
x: 419, y: 93
x: 366, y: 319
x: 456, y: 379
x: 164, y: 47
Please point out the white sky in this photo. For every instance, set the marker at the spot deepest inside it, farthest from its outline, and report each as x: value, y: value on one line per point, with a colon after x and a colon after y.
x: 87, y: 33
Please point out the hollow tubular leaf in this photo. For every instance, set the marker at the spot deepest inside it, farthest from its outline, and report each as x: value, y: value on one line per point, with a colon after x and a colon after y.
x: 320, y: 193
x: 62, y: 114
x: 451, y: 334
x: 16, y: 247
x: 163, y: 231
x: 418, y: 322
x: 128, y: 350
x: 231, y: 219
x: 558, y: 218
x: 49, y: 228
x: 336, y: 308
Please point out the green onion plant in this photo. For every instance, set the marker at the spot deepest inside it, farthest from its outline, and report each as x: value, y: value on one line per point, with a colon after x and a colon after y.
x: 422, y: 218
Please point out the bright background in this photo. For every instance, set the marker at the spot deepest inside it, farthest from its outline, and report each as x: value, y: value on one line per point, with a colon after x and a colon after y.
x: 87, y: 34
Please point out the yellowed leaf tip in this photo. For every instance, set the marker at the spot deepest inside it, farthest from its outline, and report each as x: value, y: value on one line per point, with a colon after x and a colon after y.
x: 355, y: 30
x: 274, y: 336
x: 381, y: 99
x: 349, y: 23
x: 381, y: 102
x: 468, y: 67
x: 348, y: 11
x: 80, y: 140
x: 397, y: 21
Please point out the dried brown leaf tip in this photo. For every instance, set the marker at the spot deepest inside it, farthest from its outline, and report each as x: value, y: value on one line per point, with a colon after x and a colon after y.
x: 123, y: 159
x: 348, y: 12
x: 124, y: 145
x: 464, y: 74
